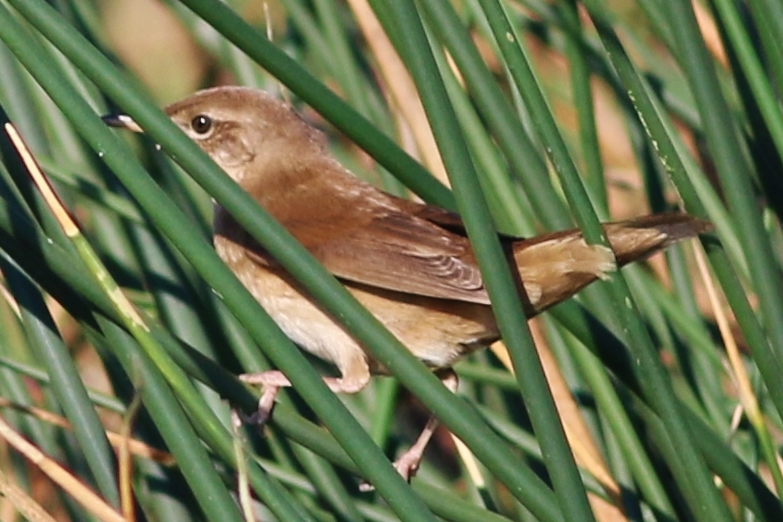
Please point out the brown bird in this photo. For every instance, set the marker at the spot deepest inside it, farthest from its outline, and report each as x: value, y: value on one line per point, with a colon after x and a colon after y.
x: 408, y: 263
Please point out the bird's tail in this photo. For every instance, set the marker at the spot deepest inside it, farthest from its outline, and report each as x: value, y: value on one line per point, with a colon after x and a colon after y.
x: 640, y: 237
x: 553, y: 267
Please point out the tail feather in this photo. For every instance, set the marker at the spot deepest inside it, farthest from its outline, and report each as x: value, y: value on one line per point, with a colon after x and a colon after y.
x: 640, y: 237
x: 553, y: 267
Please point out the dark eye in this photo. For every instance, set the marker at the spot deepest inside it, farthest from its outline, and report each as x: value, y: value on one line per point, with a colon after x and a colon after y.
x: 201, y: 124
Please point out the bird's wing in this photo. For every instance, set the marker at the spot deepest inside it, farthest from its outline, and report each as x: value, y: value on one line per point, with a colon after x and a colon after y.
x: 394, y: 249
x: 404, y: 253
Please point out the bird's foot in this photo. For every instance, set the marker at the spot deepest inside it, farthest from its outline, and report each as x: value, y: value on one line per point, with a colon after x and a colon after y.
x: 270, y: 382
x: 407, y: 466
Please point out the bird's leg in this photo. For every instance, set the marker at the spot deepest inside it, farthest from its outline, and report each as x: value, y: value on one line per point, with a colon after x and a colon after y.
x: 408, y: 463
x: 270, y: 382
x: 355, y: 376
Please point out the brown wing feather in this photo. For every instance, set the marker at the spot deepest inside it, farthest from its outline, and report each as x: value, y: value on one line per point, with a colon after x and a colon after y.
x: 404, y: 253
x: 389, y: 246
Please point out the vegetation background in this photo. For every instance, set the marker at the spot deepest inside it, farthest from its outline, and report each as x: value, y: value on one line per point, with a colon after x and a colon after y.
x: 545, y: 115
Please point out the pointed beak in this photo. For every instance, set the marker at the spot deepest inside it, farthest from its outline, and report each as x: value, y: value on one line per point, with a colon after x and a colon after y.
x: 121, y: 121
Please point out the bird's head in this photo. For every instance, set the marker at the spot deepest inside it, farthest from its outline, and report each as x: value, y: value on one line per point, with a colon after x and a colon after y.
x: 242, y: 129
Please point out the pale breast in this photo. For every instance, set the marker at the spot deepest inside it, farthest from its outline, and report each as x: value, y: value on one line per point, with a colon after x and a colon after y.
x: 302, y: 321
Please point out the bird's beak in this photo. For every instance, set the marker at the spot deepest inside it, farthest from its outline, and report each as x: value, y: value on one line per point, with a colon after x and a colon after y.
x: 121, y: 121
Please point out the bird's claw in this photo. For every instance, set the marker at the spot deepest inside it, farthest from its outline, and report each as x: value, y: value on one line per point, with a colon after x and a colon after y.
x: 407, y: 466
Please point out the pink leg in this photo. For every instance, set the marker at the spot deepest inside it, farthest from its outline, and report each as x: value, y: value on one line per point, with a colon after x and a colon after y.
x: 408, y: 463
x: 270, y: 382
x: 355, y: 376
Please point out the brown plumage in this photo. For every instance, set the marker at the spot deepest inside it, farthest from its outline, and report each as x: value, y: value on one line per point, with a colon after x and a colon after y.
x: 410, y: 264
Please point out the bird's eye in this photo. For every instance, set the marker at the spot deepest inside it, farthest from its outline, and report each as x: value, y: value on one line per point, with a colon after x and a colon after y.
x: 201, y: 124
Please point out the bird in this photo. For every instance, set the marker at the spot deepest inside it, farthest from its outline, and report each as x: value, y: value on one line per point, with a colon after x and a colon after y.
x: 409, y: 263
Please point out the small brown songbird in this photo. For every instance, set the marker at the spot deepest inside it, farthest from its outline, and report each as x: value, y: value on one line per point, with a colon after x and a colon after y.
x: 408, y: 263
